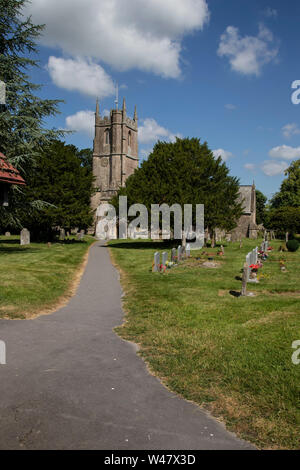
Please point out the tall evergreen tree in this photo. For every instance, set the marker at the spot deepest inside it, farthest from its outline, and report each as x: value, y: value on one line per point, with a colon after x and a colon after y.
x: 186, y: 172
x: 22, y: 132
x: 66, y: 185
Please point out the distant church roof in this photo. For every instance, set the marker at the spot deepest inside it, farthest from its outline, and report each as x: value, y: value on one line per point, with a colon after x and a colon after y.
x: 9, y: 174
x: 245, y: 196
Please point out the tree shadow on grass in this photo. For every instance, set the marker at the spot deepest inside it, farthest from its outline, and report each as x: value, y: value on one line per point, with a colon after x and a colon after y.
x: 12, y: 245
x: 15, y: 249
x: 144, y: 245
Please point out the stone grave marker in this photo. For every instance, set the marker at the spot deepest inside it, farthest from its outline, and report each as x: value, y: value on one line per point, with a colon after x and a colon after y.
x: 62, y: 234
x: 173, y: 255
x: 164, y: 258
x: 179, y: 253
x: 245, y: 279
x: 25, y: 237
x: 188, y: 250
x: 156, y: 263
x: 7, y: 234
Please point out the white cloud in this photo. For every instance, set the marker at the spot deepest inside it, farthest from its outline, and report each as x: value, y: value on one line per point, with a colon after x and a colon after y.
x: 143, y: 34
x: 82, y: 121
x: 249, y: 166
x: 285, y: 152
x: 224, y: 154
x: 230, y: 106
x: 80, y: 75
x: 290, y: 129
x: 145, y: 152
x: 247, y: 55
x: 151, y: 131
x: 270, y: 12
x: 273, y: 168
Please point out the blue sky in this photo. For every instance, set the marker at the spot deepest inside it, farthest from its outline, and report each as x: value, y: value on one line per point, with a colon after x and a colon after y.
x: 220, y: 70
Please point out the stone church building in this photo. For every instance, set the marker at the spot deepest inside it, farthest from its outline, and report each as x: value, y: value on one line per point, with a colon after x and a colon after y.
x: 115, y: 157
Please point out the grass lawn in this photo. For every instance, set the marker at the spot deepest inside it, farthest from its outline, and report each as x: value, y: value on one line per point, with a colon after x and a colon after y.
x: 231, y: 355
x: 36, y: 278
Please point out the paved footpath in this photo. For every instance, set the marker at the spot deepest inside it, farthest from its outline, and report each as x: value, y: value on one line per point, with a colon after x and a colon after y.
x: 71, y: 383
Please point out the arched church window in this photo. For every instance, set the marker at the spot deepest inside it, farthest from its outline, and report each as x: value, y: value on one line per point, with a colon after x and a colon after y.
x: 106, y: 136
x: 129, y: 139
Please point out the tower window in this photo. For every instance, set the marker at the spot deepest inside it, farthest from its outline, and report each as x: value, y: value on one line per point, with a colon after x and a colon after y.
x: 129, y: 139
x: 106, y: 136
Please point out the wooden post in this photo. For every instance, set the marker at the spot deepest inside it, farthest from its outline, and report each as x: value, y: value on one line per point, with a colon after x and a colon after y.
x: 244, y: 280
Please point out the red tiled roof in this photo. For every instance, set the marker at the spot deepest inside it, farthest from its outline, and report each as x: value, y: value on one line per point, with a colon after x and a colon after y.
x: 9, y: 174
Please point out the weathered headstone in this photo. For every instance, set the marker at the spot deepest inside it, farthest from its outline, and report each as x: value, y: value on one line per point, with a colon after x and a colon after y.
x: 183, y: 239
x: 173, y: 255
x: 164, y: 258
x: 25, y: 237
x: 188, y: 250
x: 62, y: 234
x: 245, y: 279
x: 156, y: 263
x: 222, y: 249
x: 7, y: 234
x: 179, y: 253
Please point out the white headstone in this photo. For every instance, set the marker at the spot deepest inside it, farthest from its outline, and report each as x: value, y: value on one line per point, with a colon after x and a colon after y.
x: 25, y: 237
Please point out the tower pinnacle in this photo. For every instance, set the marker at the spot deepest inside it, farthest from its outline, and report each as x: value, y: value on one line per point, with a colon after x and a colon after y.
x: 135, y: 117
x: 97, y: 107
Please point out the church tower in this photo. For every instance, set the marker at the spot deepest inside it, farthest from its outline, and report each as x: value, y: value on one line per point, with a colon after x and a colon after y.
x: 115, y: 154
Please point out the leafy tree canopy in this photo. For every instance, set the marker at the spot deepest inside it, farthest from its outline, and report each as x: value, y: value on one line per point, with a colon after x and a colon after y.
x: 284, y: 219
x: 22, y: 129
x: 66, y: 185
x: 289, y: 194
x: 261, y: 200
x: 186, y: 172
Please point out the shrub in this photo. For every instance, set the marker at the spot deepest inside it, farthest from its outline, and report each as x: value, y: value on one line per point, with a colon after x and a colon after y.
x: 292, y: 245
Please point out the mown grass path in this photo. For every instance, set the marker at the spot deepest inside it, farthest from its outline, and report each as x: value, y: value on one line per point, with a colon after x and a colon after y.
x: 231, y: 355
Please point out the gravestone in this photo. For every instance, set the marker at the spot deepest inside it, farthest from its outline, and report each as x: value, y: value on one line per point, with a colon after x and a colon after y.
x: 222, y: 249
x: 179, y: 253
x: 164, y: 258
x: 62, y: 234
x: 25, y: 237
x: 173, y: 255
x: 156, y: 263
x: 79, y: 236
x: 188, y: 250
x: 183, y: 239
x: 248, y: 262
x: 7, y: 234
x: 245, y: 279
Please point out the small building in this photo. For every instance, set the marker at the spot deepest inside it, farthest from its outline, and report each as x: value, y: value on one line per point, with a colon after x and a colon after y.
x: 8, y: 176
